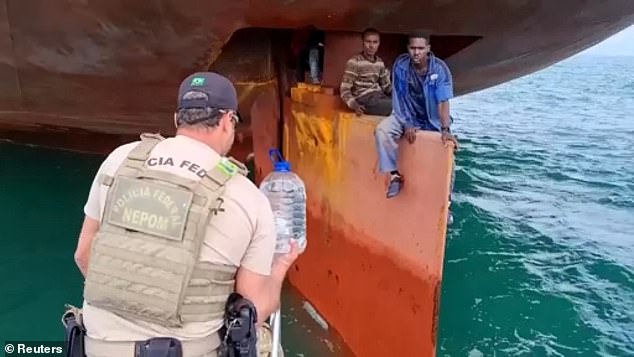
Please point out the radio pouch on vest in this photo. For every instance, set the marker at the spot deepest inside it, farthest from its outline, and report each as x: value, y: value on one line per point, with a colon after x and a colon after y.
x: 144, y: 261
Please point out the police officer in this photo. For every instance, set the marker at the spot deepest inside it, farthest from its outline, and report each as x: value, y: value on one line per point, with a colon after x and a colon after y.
x: 171, y: 228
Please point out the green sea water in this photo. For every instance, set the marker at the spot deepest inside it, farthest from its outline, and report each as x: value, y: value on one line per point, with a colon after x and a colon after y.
x: 539, y: 261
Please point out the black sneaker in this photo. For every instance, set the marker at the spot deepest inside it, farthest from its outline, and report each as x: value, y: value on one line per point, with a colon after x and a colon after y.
x: 394, y: 187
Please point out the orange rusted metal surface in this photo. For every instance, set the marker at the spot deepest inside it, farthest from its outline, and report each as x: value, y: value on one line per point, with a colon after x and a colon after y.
x: 373, y: 267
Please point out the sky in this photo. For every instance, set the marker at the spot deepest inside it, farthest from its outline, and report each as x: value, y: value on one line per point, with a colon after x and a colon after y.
x: 621, y: 44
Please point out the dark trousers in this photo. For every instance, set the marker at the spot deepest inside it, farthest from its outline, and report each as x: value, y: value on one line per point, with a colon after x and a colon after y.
x: 376, y: 104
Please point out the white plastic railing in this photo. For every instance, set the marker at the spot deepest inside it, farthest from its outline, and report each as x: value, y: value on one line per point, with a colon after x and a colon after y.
x: 276, y: 326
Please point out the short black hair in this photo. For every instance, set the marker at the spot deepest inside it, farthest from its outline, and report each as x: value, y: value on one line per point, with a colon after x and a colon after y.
x: 418, y: 34
x: 197, y: 117
x: 368, y: 31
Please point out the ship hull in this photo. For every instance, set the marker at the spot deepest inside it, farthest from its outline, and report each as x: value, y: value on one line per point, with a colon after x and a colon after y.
x: 112, y: 67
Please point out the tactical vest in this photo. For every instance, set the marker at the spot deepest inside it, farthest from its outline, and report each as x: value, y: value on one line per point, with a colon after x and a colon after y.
x: 144, y: 261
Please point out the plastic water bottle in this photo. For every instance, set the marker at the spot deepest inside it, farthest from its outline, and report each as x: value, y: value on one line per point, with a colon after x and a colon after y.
x: 287, y: 195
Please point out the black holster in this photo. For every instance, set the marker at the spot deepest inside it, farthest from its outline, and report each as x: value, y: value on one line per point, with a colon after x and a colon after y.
x: 239, y: 333
x: 159, y: 347
x: 74, y: 333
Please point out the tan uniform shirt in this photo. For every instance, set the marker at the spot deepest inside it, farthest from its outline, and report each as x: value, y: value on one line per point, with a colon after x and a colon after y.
x: 244, y: 235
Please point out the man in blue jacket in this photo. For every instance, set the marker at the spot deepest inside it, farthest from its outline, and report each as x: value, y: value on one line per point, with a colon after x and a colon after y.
x: 421, y: 89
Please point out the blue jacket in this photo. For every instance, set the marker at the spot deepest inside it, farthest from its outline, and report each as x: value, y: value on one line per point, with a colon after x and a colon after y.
x: 437, y: 86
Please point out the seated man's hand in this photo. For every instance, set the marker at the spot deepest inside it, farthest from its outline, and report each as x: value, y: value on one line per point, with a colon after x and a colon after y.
x: 449, y: 137
x: 358, y: 108
x: 410, y: 135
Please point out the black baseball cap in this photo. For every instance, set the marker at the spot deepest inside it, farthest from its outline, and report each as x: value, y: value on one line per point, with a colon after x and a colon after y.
x: 221, y: 94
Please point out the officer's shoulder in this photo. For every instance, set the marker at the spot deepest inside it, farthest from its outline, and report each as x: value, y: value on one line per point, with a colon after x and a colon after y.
x: 242, y: 183
x: 117, y: 155
x: 123, y: 150
x: 245, y: 191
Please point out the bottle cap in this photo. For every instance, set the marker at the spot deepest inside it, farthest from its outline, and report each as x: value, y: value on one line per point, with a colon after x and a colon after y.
x: 279, y: 164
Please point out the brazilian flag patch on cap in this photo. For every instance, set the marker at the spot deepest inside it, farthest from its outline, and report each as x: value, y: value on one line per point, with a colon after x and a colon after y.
x: 198, y: 81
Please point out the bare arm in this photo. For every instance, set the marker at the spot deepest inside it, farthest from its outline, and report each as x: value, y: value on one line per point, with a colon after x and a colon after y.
x: 445, y: 122
x: 82, y: 253
x: 262, y: 273
x: 264, y: 291
x: 444, y: 92
x: 443, y: 110
x: 91, y: 223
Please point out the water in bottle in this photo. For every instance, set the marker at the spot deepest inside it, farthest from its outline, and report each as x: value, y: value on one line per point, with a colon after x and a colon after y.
x: 287, y: 195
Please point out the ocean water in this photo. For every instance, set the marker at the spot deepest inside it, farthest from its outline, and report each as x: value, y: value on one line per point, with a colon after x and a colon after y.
x: 539, y: 261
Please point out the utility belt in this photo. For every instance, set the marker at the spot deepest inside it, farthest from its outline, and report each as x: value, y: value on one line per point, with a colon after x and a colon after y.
x: 154, y: 347
x: 237, y: 338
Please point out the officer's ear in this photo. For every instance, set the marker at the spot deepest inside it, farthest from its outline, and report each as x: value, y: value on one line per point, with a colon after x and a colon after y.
x: 226, y: 122
x: 175, y: 121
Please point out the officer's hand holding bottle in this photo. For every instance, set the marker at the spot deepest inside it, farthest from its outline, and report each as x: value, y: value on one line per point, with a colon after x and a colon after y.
x: 282, y: 262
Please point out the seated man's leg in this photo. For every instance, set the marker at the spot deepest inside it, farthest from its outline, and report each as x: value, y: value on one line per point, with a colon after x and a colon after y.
x: 387, y: 134
x: 382, y: 106
x: 377, y: 104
